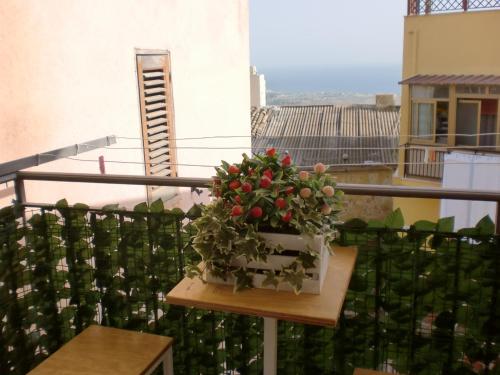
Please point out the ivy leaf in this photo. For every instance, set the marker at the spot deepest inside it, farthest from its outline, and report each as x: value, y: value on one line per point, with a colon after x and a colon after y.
x: 157, y: 206
x: 307, y: 258
x: 395, y: 220
x: 63, y: 203
x: 270, y: 279
x: 425, y: 226
x: 194, y: 212
x: 446, y: 224
x: 242, y: 280
x: 486, y: 226
x: 293, y: 277
x: 193, y: 271
x: 141, y: 208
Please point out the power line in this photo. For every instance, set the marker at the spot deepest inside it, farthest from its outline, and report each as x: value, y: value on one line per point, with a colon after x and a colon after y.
x: 301, y: 166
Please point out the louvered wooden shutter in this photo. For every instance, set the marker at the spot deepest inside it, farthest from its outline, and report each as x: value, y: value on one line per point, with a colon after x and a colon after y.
x: 157, y: 116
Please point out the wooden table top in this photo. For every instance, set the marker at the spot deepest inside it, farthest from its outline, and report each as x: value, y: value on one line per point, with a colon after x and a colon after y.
x: 319, y: 309
x: 103, y: 350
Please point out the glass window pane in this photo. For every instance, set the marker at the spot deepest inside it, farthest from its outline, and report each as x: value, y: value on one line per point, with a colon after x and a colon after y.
x: 494, y: 89
x: 467, y: 122
x: 423, y: 114
x: 442, y: 122
x: 429, y: 92
x: 471, y: 89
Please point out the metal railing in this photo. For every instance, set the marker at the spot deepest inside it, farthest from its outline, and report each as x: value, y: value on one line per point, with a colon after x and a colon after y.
x: 419, y: 7
x: 349, y: 189
x: 418, y: 164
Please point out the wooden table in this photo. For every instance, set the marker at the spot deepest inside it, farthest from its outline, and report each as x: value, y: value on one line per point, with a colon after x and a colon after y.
x: 319, y: 309
x: 103, y: 350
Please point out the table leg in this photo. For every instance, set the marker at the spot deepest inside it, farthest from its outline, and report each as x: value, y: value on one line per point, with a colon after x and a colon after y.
x: 270, y: 346
x: 168, y: 363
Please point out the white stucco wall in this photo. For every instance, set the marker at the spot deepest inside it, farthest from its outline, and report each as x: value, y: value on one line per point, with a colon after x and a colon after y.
x: 68, y: 75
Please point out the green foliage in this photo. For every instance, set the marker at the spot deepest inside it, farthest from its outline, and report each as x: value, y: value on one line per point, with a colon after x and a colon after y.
x: 422, y: 300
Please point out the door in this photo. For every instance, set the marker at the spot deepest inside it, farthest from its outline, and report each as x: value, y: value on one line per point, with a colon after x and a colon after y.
x: 468, y: 118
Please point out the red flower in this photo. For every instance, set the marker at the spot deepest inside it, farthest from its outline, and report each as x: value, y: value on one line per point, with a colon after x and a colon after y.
x: 265, y: 182
x: 233, y: 169
x: 237, y: 210
x: 280, y: 203
x: 246, y: 187
x: 237, y: 199
x: 268, y: 173
x: 287, y: 217
x: 271, y: 152
x: 289, y: 190
x: 286, y: 161
x: 250, y: 171
x: 233, y: 185
x: 256, y: 212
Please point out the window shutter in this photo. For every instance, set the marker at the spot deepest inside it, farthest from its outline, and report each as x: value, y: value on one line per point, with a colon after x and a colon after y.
x: 157, y: 115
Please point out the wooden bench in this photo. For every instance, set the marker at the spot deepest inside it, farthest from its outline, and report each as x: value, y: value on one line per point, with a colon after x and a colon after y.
x: 361, y: 371
x: 103, y: 350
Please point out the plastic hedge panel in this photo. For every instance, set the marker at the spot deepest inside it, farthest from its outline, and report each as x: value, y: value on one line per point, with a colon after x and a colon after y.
x: 63, y: 268
x: 422, y: 300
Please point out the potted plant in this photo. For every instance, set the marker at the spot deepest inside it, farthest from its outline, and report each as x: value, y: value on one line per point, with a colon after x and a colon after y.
x: 269, y: 225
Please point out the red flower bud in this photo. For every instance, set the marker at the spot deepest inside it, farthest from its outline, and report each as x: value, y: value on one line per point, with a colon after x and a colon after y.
x: 268, y: 173
x: 265, y: 182
x: 280, y: 203
x: 237, y: 211
x: 237, y: 199
x: 233, y: 169
x: 289, y: 190
x: 256, y: 212
x: 286, y: 161
x: 287, y: 217
x: 246, y: 187
x: 251, y: 171
x: 233, y: 185
x: 271, y: 152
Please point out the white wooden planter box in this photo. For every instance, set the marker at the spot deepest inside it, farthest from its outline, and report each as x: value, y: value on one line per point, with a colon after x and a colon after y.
x: 275, y: 262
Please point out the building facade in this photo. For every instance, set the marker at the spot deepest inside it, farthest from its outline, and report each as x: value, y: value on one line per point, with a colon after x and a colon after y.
x: 152, y: 73
x: 450, y: 102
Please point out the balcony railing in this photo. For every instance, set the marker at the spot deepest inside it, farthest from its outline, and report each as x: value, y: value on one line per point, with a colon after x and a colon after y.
x: 418, y: 7
x: 422, y: 300
x: 422, y: 163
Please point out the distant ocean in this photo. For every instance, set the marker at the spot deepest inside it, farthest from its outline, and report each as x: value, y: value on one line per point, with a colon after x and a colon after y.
x: 330, y: 85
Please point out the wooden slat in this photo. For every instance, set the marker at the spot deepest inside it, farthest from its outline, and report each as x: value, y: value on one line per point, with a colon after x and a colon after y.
x: 154, y: 91
x: 152, y: 107
x: 157, y: 129
x: 154, y: 82
x: 160, y: 159
x: 154, y: 99
x: 156, y: 114
x: 158, y: 152
x: 152, y: 75
x: 157, y: 136
x: 319, y: 309
x: 158, y: 144
x: 156, y: 122
x: 103, y: 350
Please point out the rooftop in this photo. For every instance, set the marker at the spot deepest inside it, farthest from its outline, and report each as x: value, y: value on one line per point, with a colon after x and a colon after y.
x: 343, y: 135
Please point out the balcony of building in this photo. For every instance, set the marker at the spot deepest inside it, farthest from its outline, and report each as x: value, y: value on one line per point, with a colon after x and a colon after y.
x: 423, y: 299
x: 422, y: 7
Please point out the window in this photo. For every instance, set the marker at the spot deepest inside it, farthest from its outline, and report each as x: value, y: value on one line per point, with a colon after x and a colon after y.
x: 430, y: 107
x: 155, y: 92
x: 495, y: 90
x: 471, y: 89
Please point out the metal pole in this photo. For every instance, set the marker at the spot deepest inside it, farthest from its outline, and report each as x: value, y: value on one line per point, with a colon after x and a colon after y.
x: 20, y: 191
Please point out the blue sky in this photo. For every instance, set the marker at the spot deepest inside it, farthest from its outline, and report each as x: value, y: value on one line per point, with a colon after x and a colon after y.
x: 326, y: 33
